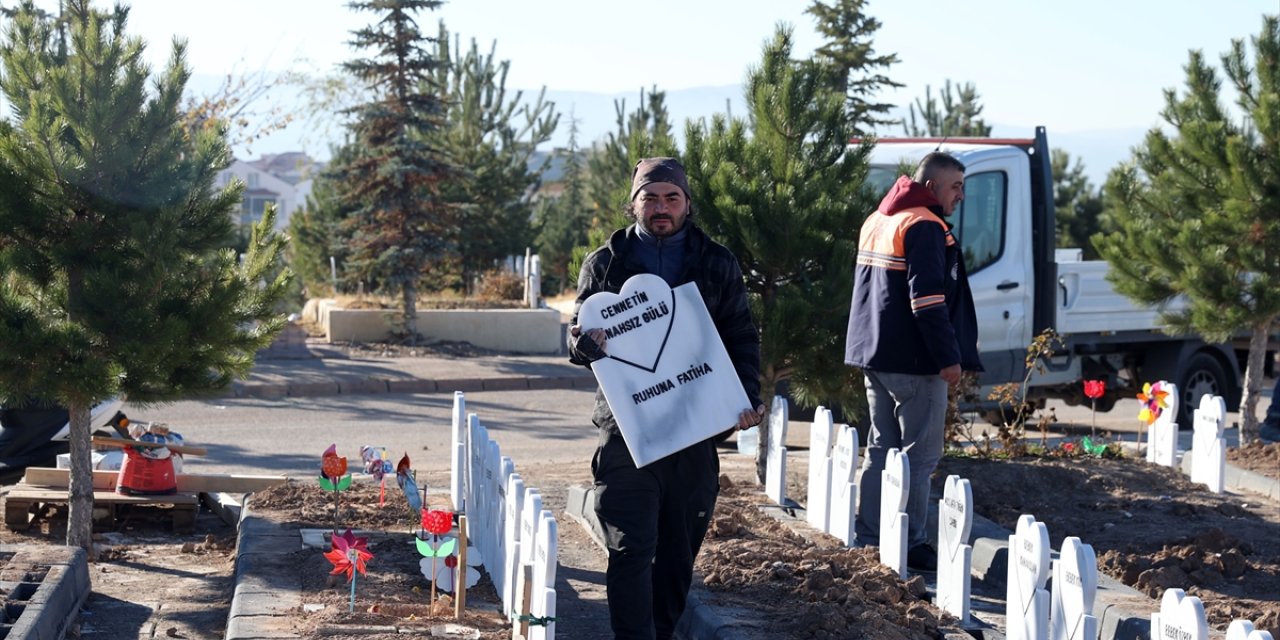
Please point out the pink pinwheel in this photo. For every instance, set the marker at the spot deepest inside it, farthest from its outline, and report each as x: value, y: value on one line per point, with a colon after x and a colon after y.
x: 350, y: 554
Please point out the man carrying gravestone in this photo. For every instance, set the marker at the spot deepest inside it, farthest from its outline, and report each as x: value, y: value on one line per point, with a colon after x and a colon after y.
x: 654, y: 517
x: 912, y: 330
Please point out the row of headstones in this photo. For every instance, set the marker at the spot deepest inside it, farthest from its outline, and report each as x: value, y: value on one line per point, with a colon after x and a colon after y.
x: 1031, y: 612
x: 516, y: 537
x: 1208, y: 446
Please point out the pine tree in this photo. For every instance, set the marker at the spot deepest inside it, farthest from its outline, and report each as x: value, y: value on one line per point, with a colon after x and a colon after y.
x: 957, y: 116
x: 402, y: 230
x: 114, y: 273
x: 1077, y: 205
x: 1198, y: 209
x: 782, y: 190
x: 848, y: 49
x: 491, y: 137
x: 562, y: 222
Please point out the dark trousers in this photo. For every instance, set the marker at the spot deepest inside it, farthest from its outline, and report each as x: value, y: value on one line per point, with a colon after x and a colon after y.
x: 654, y: 520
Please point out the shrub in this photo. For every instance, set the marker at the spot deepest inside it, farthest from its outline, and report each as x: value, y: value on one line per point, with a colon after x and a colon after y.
x: 500, y: 284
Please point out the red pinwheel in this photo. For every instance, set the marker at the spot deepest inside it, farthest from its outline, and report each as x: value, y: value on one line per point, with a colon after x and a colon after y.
x: 437, y: 521
x: 350, y: 554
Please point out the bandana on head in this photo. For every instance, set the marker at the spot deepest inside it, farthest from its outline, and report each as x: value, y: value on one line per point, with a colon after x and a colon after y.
x: 651, y: 170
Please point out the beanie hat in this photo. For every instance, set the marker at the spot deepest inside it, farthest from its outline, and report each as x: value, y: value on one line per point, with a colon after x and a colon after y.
x: 651, y: 170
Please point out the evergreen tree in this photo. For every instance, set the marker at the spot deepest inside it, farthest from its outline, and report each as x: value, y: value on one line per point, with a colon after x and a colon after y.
x: 316, y: 234
x: 1198, y: 210
x: 783, y: 191
x: 491, y: 137
x: 562, y: 222
x: 1076, y: 204
x: 957, y: 116
x: 114, y: 273
x: 855, y: 67
x: 402, y: 230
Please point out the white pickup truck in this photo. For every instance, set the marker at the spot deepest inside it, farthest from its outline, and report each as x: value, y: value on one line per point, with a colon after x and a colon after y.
x: 1022, y: 285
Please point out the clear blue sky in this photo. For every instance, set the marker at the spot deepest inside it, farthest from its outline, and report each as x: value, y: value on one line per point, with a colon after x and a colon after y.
x: 1084, y: 66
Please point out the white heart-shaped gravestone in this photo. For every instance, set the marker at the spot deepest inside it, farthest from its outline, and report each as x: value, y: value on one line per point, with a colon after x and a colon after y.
x: 1209, y: 417
x: 778, y: 421
x: 636, y: 321
x: 1031, y: 558
x: 1243, y: 630
x: 1181, y: 617
x: 896, y: 490
x: 1078, y: 569
x: 956, y: 515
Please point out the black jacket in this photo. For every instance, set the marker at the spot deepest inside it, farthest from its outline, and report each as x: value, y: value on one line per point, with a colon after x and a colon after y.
x: 708, y: 264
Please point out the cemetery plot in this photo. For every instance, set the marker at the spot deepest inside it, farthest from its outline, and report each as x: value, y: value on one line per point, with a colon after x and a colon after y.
x: 1149, y: 526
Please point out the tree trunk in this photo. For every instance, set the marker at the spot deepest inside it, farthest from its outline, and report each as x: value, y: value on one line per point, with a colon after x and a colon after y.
x: 411, y: 312
x: 80, y: 512
x: 767, y: 386
x: 1253, y: 383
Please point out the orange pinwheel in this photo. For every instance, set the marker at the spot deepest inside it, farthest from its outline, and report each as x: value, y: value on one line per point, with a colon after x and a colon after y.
x: 1154, y: 400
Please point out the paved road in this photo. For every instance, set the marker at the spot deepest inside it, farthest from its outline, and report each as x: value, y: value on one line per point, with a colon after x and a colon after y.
x: 287, y: 435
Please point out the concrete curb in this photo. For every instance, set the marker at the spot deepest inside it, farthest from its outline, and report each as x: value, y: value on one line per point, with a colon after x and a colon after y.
x: 375, y: 385
x: 264, y: 593
x: 700, y: 621
x: 48, y: 604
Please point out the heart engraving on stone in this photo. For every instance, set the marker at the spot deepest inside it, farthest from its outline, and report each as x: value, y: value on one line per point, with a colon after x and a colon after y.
x: 637, y: 320
x: 1078, y: 569
x: 1031, y: 553
x: 956, y: 514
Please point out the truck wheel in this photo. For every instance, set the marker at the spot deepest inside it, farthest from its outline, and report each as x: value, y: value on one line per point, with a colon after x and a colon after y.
x: 1202, y: 375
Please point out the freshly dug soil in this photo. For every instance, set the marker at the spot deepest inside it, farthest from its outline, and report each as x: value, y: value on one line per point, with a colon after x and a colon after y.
x: 1149, y: 526
x: 1257, y: 457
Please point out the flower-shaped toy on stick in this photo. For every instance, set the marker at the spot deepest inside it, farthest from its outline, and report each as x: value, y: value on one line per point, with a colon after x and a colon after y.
x: 1094, y: 389
x: 349, y: 555
x: 1154, y: 401
x: 377, y: 464
x: 404, y: 478
x: 436, y: 522
x: 334, y: 478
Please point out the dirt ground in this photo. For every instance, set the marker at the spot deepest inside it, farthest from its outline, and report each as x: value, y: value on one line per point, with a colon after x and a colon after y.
x: 1149, y: 526
x: 1257, y: 457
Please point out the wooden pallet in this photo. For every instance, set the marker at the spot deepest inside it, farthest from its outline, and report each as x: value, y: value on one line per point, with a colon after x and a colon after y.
x: 24, y: 501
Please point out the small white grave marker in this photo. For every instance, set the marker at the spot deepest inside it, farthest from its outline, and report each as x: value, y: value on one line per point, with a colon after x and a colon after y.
x: 544, y: 579
x: 844, y: 491
x: 955, y: 554
x: 1181, y: 617
x: 667, y: 376
x: 1075, y: 584
x: 893, y: 517
x: 1162, y: 446
x: 1243, y: 630
x: 1027, y: 602
x: 817, y: 507
x: 1208, y: 447
x: 511, y: 543
x: 775, y: 475
x: 458, y: 468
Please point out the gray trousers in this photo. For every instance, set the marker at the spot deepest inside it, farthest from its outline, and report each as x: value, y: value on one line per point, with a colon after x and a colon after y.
x: 907, y: 413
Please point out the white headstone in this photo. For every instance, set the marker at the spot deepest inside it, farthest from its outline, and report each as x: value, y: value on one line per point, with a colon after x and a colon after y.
x: 458, y: 468
x: 1163, y: 441
x: 817, y: 506
x: 1243, y: 630
x: 1075, y: 584
x: 775, y: 474
x: 1208, y: 447
x: 530, y: 516
x: 667, y: 377
x: 1027, y: 602
x: 544, y: 577
x: 1181, y: 617
x: 510, y: 566
x: 894, y: 492
x: 844, y: 491
x: 477, y: 444
x: 488, y: 538
x: 497, y: 557
x: 955, y: 554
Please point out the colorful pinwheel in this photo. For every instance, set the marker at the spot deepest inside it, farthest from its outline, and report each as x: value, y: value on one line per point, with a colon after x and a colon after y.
x: 404, y: 478
x: 1154, y: 400
x: 447, y: 574
x: 350, y: 554
x: 377, y: 464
